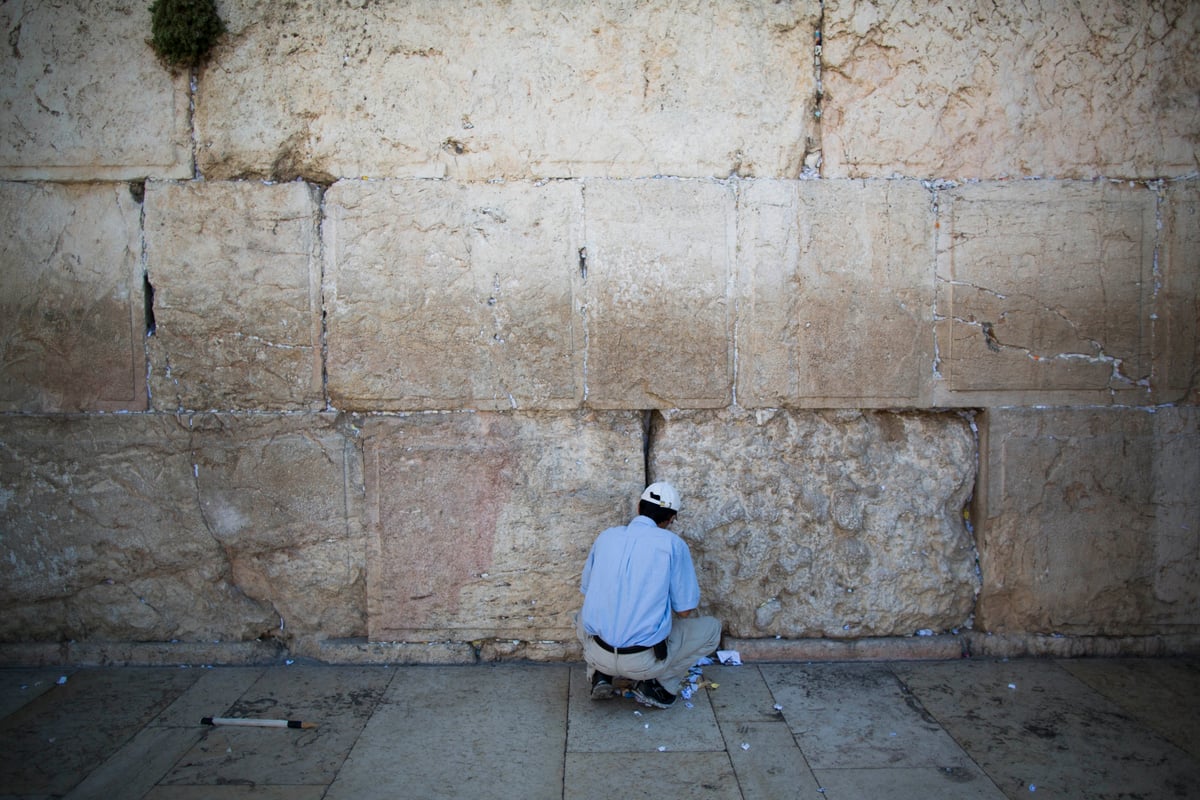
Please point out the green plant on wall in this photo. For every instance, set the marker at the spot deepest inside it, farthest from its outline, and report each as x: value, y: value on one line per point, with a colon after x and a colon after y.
x: 184, y: 31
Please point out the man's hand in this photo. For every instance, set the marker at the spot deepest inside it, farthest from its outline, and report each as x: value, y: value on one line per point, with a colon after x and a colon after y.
x: 683, y: 614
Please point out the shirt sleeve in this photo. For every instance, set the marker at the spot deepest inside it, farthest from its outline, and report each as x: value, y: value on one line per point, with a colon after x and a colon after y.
x: 685, y: 589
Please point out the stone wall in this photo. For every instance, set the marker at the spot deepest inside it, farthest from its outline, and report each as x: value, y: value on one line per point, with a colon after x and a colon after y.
x: 347, y: 343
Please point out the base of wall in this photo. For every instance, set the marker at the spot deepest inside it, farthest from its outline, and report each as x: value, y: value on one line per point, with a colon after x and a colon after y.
x: 906, y: 648
x: 136, y: 654
x: 1022, y: 645
x: 363, y: 652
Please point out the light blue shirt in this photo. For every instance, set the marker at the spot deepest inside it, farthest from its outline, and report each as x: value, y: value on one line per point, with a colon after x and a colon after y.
x: 634, y: 577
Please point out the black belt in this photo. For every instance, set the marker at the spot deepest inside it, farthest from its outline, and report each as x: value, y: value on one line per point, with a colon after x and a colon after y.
x: 623, y: 651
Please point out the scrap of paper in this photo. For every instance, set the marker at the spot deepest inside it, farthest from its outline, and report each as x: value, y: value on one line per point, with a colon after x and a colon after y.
x: 730, y: 657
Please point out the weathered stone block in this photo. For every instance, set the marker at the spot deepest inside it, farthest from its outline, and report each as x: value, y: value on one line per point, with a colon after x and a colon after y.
x: 1045, y: 293
x: 236, y: 273
x: 283, y: 497
x: 513, y: 650
x: 1176, y: 375
x: 508, y: 90
x: 101, y: 540
x: 835, y: 301
x: 1089, y: 521
x: 835, y: 523
x: 444, y: 295
x: 659, y: 262
x: 481, y: 522
x: 984, y: 90
x: 84, y: 98
x: 71, y: 303
x: 152, y: 528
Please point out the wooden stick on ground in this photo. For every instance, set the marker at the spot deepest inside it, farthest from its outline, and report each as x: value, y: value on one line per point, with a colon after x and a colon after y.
x: 257, y: 723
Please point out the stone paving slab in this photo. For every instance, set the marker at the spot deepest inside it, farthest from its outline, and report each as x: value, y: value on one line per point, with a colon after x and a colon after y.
x: 480, y: 732
x: 908, y: 783
x: 767, y: 762
x: 859, y: 716
x: 621, y: 725
x: 340, y: 701
x: 1033, y: 724
x: 741, y: 695
x: 652, y: 776
x: 237, y: 792
x: 53, y: 742
x: 1162, y: 695
x: 212, y: 695
x: 21, y: 686
x: 1088, y: 728
x: 144, y: 760
x: 139, y: 765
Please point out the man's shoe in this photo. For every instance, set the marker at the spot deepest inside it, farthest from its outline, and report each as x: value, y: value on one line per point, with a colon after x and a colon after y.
x: 602, y: 687
x: 651, y: 693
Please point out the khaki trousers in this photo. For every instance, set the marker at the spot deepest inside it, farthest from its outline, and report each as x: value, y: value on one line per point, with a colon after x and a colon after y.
x: 691, y: 638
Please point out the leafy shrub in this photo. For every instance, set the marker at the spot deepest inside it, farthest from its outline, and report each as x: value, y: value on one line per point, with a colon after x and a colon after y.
x: 184, y: 31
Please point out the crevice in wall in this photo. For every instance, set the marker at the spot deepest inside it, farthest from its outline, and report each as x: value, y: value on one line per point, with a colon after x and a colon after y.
x: 193, y: 84
x: 320, y: 190
x: 581, y: 298
x: 971, y: 512
x: 137, y: 190
x: 148, y: 299
x: 647, y: 443
x: 812, y: 144
x: 1156, y: 293
x: 934, y: 188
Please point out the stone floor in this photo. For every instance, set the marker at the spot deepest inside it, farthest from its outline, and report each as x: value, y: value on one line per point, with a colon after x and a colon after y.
x: 946, y: 729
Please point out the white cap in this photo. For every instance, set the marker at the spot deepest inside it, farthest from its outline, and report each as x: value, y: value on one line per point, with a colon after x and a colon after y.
x: 662, y: 494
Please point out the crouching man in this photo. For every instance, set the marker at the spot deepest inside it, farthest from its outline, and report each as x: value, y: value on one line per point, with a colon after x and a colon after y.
x: 640, y: 590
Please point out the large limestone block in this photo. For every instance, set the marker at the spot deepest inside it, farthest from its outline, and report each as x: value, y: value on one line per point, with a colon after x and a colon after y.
x: 1045, y: 293
x: 153, y: 528
x: 1089, y: 521
x: 656, y: 297
x: 82, y: 96
x: 1177, y: 326
x: 236, y: 273
x: 835, y: 298
x: 283, y: 496
x: 103, y: 538
x: 481, y: 522
x: 476, y: 90
x: 72, y: 313
x: 447, y: 295
x: 824, y: 523
x: 987, y: 90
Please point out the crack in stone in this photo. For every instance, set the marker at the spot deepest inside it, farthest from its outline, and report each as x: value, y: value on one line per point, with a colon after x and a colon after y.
x: 268, y: 343
x: 583, y: 306
x: 1099, y: 357
x: 204, y: 517
x: 1054, y: 311
x: 266, y: 603
x: 976, y: 287
x: 810, y: 166
x: 323, y: 341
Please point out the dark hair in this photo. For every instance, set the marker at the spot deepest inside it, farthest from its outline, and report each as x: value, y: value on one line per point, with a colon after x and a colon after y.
x: 655, y: 512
